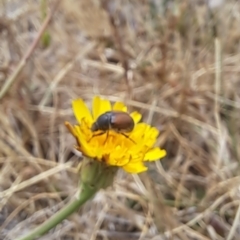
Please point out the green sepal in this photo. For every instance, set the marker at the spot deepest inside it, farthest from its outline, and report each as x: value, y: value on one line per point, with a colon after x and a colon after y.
x: 96, y: 175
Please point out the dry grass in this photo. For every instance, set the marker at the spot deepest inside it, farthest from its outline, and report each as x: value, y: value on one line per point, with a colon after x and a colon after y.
x: 178, y: 64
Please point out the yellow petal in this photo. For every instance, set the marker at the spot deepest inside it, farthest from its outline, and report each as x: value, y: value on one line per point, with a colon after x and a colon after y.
x: 136, y: 116
x: 99, y: 154
x: 141, y: 127
x: 154, y: 132
x: 119, y: 106
x: 71, y: 129
x: 85, y: 129
x: 155, y: 154
x: 139, y: 131
x: 81, y: 110
x: 85, y: 148
x: 135, y: 167
x: 96, y: 107
x: 77, y: 129
x: 118, y: 157
x: 105, y: 106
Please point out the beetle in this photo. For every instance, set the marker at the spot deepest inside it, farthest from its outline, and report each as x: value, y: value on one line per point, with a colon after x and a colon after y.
x: 117, y: 121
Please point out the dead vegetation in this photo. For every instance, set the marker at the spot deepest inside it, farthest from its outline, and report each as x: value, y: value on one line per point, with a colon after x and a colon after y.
x: 177, y: 62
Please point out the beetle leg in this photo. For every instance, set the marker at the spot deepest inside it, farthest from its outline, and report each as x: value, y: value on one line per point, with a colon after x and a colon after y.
x: 126, y: 136
x: 95, y: 135
x: 106, y: 137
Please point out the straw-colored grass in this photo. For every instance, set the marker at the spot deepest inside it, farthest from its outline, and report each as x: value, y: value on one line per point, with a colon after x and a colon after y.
x: 177, y: 62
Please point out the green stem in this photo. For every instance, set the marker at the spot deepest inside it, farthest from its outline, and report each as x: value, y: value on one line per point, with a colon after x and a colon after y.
x: 85, y: 194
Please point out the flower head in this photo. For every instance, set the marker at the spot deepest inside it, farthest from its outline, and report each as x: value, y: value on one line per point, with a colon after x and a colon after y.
x: 127, y: 150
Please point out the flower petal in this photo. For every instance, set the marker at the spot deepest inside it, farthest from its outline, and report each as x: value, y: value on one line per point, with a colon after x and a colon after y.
x: 153, y: 132
x: 155, y: 154
x: 80, y: 110
x: 136, y: 116
x: 96, y: 107
x: 71, y: 129
x: 135, y: 167
x: 119, y: 106
x: 105, y: 106
x: 118, y: 157
x: 85, y: 148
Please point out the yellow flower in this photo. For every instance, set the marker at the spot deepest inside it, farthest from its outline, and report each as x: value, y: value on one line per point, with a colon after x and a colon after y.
x: 128, y: 151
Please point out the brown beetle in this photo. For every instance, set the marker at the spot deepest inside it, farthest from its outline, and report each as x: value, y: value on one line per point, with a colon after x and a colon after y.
x: 114, y: 120
x: 117, y: 121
